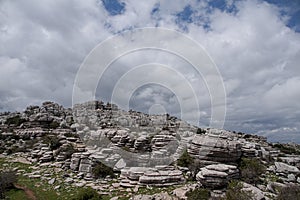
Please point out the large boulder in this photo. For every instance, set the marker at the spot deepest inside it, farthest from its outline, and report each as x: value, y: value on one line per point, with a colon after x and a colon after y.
x: 213, y: 149
x: 217, y: 175
x: 285, y: 168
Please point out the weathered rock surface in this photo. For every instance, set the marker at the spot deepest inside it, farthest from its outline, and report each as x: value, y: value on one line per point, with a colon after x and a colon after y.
x: 52, y: 137
x: 213, y: 149
x: 217, y: 175
x: 159, y: 176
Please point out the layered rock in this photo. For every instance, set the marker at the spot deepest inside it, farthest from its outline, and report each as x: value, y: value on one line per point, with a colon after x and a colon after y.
x: 217, y: 175
x: 213, y: 149
x: 158, y: 176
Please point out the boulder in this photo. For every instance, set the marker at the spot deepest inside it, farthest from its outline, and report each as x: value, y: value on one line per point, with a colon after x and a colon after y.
x: 217, y: 175
x: 285, y: 168
x: 213, y: 149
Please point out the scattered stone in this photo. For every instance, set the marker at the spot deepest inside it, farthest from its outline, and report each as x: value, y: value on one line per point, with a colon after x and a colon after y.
x: 51, y: 181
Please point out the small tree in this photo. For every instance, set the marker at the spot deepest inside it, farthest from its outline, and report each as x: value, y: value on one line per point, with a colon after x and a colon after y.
x: 185, y: 160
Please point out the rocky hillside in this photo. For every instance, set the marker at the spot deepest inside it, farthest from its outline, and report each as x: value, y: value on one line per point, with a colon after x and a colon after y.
x: 120, y: 153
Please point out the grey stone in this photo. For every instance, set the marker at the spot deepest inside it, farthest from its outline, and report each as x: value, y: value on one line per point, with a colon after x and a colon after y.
x: 51, y: 181
x: 285, y: 168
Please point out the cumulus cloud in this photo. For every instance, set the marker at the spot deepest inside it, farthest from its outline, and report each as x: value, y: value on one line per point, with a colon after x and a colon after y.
x: 252, y: 43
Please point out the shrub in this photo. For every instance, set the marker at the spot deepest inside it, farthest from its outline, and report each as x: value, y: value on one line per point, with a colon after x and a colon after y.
x: 16, y: 120
x: 100, y: 170
x: 52, y: 141
x: 69, y: 150
x: 88, y: 194
x: 251, y: 169
x: 289, y: 192
x: 288, y: 149
x: 7, y: 180
x: 201, y: 131
x: 71, y: 134
x: 54, y: 125
x: 185, y: 160
x: 198, y: 194
x: 235, y: 192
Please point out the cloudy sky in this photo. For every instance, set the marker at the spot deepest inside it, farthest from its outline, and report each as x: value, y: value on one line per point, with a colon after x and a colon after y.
x: 255, y: 45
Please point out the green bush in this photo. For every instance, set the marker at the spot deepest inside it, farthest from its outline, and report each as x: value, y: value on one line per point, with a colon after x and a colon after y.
x: 52, y: 141
x: 100, y: 170
x: 7, y: 180
x: 54, y: 125
x: 289, y: 192
x: 288, y: 149
x: 235, y: 192
x: 198, y: 194
x: 69, y: 150
x: 201, y: 131
x: 16, y: 120
x: 185, y: 160
x: 88, y: 194
x: 251, y: 169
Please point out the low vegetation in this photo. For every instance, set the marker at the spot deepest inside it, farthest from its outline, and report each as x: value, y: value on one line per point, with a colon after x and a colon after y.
x: 16, y: 120
x: 52, y: 141
x: 201, y: 131
x: 287, y: 148
x: 235, y: 192
x: 7, y: 181
x: 251, y: 169
x: 88, y: 194
x: 53, y: 125
x: 100, y: 170
x: 186, y: 160
x: 289, y: 192
x: 198, y: 194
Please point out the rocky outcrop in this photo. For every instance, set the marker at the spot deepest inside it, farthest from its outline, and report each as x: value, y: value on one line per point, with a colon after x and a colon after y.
x: 212, y: 149
x: 143, y: 147
x: 217, y: 176
x: 158, y: 176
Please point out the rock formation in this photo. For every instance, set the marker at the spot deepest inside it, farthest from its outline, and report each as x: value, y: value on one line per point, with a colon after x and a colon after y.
x: 142, y: 149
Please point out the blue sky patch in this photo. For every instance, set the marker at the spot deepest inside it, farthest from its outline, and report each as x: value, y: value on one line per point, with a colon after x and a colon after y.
x: 185, y: 15
x: 114, y: 7
x: 293, y: 12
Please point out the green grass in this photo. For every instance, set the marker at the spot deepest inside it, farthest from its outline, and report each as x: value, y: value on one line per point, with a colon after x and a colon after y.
x: 44, y: 191
x: 41, y: 188
x: 16, y: 194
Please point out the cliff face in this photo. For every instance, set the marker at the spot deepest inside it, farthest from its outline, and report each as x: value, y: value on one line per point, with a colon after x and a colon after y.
x: 145, y: 148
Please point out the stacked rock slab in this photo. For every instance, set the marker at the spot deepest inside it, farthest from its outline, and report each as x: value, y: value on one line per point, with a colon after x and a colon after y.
x: 161, y: 177
x: 157, y: 176
x: 217, y: 176
x: 212, y: 149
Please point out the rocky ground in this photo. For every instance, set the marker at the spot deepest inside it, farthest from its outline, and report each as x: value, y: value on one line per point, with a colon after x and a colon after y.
x: 131, y: 155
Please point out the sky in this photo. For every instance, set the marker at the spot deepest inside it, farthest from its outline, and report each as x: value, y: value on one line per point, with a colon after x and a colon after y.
x: 255, y: 45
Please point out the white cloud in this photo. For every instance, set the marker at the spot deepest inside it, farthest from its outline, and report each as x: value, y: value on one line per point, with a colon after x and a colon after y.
x: 258, y: 55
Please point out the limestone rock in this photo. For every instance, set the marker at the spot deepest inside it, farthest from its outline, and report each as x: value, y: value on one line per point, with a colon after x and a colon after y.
x: 285, y: 168
x: 217, y: 176
x: 214, y: 149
